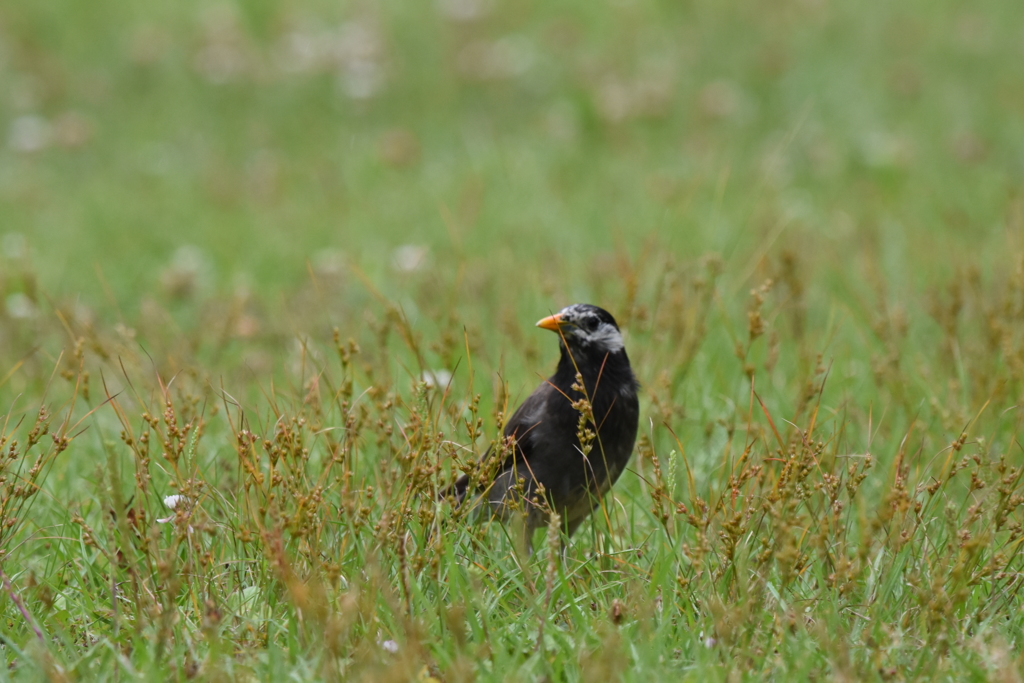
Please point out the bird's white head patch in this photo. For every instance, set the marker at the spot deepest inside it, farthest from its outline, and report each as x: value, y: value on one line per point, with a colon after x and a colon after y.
x: 587, y: 327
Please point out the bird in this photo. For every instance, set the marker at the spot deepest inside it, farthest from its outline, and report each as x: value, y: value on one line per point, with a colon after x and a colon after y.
x: 545, y: 466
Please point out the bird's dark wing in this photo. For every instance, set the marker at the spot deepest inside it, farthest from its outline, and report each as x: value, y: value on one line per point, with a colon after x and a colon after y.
x: 528, y: 419
x: 523, y: 426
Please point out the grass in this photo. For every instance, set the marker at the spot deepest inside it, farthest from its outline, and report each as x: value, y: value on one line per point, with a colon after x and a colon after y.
x: 237, y: 239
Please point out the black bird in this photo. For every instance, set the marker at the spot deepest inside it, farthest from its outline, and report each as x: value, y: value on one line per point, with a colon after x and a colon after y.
x: 546, y: 467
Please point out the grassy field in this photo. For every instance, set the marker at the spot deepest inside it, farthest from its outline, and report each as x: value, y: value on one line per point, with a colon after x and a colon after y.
x: 282, y: 260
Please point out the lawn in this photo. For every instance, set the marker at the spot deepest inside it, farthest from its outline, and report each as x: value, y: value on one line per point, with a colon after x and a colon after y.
x: 268, y: 279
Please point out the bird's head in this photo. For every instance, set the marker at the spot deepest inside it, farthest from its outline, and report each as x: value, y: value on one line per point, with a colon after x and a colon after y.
x: 585, y: 328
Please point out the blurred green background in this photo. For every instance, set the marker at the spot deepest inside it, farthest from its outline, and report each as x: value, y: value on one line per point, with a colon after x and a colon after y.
x: 521, y: 140
x: 200, y: 193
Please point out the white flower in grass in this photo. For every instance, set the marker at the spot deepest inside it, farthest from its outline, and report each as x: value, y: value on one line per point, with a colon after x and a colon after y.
x: 190, y: 271
x: 436, y: 378
x: 390, y: 645
x: 329, y: 263
x: 464, y: 10
x: 29, y: 134
x: 18, y: 305
x: 172, y: 503
x: 409, y: 258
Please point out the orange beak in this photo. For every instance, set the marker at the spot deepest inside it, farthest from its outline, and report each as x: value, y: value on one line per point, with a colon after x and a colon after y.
x: 550, y: 323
